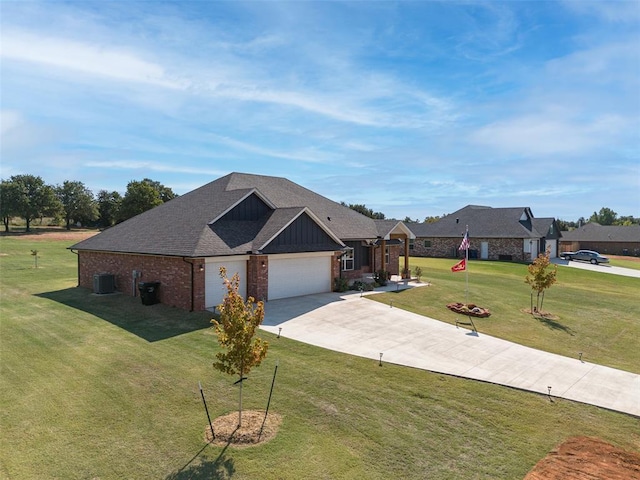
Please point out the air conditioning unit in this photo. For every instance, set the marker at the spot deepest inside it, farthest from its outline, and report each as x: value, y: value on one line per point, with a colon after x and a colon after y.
x: 104, y: 283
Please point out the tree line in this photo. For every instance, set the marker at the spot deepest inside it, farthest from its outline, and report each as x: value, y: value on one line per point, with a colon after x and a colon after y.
x: 30, y: 198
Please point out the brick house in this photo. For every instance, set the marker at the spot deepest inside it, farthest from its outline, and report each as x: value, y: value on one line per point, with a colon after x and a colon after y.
x: 282, y: 239
x: 511, y: 234
x: 606, y: 239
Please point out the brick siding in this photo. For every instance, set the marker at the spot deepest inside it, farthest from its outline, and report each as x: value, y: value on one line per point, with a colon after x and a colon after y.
x: 173, y: 273
x: 258, y: 277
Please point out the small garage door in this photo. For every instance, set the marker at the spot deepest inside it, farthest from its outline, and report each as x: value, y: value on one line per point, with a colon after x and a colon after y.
x: 296, y: 275
x: 553, y: 246
x: 214, y: 288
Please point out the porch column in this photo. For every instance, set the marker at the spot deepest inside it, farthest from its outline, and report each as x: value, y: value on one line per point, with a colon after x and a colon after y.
x: 406, y: 255
x: 383, y: 249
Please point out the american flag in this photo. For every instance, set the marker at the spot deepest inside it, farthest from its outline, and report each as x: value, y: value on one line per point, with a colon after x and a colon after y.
x: 465, y: 241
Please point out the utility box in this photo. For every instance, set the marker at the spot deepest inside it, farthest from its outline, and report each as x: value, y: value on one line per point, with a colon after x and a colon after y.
x: 104, y: 283
x: 149, y: 292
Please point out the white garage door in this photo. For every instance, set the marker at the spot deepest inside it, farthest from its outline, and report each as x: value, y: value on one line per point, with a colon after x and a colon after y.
x: 295, y: 275
x: 554, y: 248
x: 214, y: 288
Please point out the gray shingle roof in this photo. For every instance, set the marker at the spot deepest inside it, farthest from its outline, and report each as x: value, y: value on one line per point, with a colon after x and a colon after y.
x: 181, y: 227
x: 594, y: 232
x: 485, y: 222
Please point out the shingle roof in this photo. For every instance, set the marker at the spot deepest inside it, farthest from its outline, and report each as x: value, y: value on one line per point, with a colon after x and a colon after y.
x: 543, y: 226
x: 594, y: 232
x: 181, y: 227
x: 485, y: 222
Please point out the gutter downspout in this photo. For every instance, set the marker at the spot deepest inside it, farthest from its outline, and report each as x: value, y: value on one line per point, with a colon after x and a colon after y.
x: 184, y: 259
x: 77, y: 266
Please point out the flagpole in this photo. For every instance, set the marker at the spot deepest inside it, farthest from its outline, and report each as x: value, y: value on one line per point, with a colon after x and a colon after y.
x: 466, y: 270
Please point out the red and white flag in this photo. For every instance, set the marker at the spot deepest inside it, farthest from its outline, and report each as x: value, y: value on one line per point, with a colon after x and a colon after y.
x: 460, y: 266
x: 465, y: 241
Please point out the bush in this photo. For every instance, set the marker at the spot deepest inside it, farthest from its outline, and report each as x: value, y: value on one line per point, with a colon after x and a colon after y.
x: 418, y: 272
x: 340, y: 285
x: 359, y: 285
x: 381, y: 277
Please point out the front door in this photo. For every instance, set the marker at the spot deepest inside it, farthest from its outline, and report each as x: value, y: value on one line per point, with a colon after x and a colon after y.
x: 484, y: 250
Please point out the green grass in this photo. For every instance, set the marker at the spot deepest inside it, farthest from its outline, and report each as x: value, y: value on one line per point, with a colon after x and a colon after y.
x: 104, y: 387
x: 625, y: 262
x: 593, y: 313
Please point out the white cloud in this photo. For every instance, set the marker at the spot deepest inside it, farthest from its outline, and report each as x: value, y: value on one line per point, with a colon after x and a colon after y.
x: 9, y: 120
x: 151, y: 166
x: 540, y: 134
x: 306, y: 155
x: 94, y: 59
x: 621, y: 11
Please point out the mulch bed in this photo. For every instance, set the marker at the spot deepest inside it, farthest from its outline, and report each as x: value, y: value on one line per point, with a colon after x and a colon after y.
x: 249, y: 434
x: 581, y: 458
x: 470, y: 309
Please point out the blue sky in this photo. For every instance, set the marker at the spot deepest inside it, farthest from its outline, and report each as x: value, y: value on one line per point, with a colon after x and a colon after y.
x: 411, y: 108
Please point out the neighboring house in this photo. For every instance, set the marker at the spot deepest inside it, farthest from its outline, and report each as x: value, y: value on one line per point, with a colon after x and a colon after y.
x: 282, y: 239
x: 494, y: 234
x: 606, y: 239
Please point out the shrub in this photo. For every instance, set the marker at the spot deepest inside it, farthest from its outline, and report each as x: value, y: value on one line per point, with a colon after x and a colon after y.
x: 381, y: 277
x: 418, y: 272
x: 340, y: 285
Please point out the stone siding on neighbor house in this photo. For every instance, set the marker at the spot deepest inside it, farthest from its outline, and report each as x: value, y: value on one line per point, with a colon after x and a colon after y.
x: 499, y: 248
x: 173, y: 273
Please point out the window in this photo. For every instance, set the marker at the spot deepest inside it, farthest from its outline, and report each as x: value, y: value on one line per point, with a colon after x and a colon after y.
x: 386, y: 255
x: 411, y: 245
x: 347, y: 259
x: 427, y: 244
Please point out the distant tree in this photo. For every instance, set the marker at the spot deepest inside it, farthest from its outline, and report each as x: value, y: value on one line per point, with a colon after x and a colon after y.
x: 236, y: 330
x: 108, y: 207
x: 606, y: 216
x: 34, y: 199
x: 364, y: 211
x: 565, y: 225
x: 166, y: 193
x: 431, y: 219
x: 142, y: 196
x: 627, y: 220
x: 410, y: 220
x: 9, y: 196
x: 540, y: 278
x: 77, y: 201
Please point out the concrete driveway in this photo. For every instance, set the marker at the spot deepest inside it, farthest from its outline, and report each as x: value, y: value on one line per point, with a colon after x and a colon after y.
x: 356, y: 325
x: 602, y: 268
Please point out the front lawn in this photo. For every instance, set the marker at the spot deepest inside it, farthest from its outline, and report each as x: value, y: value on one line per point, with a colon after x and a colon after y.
x: 104, y: 387
x: 593, y: 313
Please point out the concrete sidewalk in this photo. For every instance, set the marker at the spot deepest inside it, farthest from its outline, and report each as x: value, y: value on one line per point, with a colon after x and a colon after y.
x: 355, y: 325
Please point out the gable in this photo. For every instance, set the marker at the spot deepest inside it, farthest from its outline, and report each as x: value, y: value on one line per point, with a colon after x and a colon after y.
x: 251, y: 209
x: 302, y: 235
x: 255, y: 208
x: 485, y: 222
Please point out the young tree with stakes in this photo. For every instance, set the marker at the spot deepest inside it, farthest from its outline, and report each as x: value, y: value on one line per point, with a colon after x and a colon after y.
x: 540, y: 278
x: 236, y: 334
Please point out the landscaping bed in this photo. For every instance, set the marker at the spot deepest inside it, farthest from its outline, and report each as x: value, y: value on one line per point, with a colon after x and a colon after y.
x: 470, y: 309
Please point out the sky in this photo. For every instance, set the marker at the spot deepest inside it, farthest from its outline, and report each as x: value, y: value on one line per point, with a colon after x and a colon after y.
x: 412, y: 108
